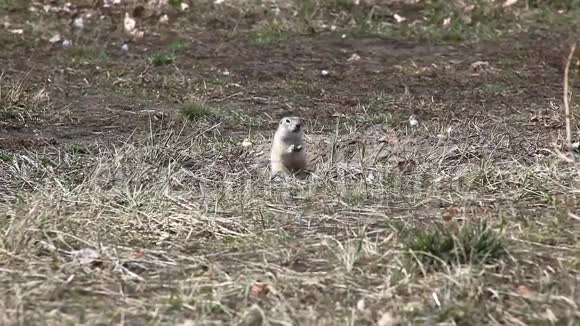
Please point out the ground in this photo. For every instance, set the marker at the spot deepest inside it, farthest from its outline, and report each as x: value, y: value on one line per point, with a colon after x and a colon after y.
x: 127, y: 196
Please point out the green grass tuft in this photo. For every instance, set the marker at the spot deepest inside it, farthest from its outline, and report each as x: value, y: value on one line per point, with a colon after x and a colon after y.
x: 443, y: 245
x: 162, y: 59
x: 175, y: 3
x: 77, y: 149
x: 169, y: 56
x: 5, y: 157
x: 176, y: 46
x: 269, y: 37
x: 195, y: 111
x: 7, y: 4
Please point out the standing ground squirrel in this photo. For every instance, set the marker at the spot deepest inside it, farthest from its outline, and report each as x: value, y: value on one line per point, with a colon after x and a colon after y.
x: 288, y: 154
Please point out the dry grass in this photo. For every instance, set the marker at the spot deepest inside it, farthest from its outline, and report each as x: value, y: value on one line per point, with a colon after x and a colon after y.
x: 19, y: 103
x: 454, y: 221
x: 165, y: 230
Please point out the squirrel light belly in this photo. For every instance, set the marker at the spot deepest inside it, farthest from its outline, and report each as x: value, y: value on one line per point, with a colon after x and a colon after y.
x: 288, y: 155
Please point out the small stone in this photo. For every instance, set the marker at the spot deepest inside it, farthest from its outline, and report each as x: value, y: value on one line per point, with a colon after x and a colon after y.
x: 164, y: 19
x: 246, y: 143
x: 508, y: 3
x: 447, y: 21
x: 360, y: 305
x: 138, y: 34
x: 480, y: 65
x: 125, y: 47
x: 85, y: 256
x: 129, y: 23
x: 354, y: 57
x: 324, y: 73
x: 109, y: 3
x: 188, y: 322
x: 56, y: 38
x: 388, y: 319
x: 399, y: 18
x: 79, y: 22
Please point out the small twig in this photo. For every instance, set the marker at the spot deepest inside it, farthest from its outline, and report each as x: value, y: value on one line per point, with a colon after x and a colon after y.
x: 567, y: 100
x: 206, y: 130
x: 334, y: 141
x: 362, y: 164
x: 227, y: 97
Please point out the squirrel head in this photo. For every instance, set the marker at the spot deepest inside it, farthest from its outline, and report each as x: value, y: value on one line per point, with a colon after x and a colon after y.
x: 291, y: 124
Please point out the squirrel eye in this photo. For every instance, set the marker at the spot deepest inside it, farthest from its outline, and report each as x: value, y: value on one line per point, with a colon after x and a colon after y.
x: 287, y: 120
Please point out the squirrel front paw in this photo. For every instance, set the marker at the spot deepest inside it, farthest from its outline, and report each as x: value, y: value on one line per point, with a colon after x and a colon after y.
x: 295, y: 148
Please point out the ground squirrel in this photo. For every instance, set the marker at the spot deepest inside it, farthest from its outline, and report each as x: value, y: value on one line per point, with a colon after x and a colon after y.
x: 288, y: 154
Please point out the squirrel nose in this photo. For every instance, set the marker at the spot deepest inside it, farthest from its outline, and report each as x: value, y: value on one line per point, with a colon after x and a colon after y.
x: 297, y: 127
